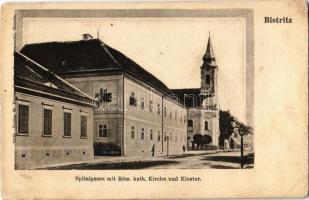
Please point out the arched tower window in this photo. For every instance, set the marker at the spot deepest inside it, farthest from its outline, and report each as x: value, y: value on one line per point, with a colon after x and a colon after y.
x: 207, y: 79
x: 190, y: 123
x: 206, y: 125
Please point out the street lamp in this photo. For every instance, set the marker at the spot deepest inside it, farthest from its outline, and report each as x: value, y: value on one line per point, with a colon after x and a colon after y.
x: 241, y: 133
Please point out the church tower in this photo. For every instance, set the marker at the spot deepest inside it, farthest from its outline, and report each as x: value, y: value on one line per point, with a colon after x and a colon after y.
x: 209, y: 76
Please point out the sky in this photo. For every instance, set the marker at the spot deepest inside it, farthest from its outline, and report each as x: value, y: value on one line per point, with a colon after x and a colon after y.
x: 169, y: 48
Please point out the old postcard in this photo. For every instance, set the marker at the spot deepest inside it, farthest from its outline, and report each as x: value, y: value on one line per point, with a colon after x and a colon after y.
x: 162, y: 100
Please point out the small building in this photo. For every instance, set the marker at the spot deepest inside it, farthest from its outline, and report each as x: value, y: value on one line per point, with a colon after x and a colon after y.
x: 53, y: 119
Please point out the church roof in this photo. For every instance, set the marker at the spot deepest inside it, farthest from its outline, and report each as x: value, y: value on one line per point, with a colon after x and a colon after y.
x: 190, y: 97
x: 88, y: 57
x: 30, y: 76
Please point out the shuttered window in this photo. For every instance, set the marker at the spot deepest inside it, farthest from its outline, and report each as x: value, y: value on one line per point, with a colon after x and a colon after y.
x: 67, y: 124
x: 23, y: 119
x: 47, y: 122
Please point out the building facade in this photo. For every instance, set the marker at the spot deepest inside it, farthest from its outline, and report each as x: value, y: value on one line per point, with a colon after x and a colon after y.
x: 133, y: 113
x: 53, y: 120
x: 128, y: 111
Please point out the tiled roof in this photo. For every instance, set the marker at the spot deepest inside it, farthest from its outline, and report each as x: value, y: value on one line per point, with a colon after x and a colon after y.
x: 31, y: 75
x: 190, y: 97
x: 88, y: 56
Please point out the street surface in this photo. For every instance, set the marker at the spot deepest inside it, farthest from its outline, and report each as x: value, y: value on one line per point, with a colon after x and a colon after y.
x: 189, y: 160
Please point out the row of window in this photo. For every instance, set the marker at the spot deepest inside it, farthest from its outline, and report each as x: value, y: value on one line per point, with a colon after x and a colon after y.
x: 23, y: 122
x: 190, y: 124
x: 133, y: 102
x: 152, y: 135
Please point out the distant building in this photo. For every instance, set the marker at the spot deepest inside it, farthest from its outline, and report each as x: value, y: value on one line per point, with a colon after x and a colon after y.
x: 202, y: 103
x: 53, y: 119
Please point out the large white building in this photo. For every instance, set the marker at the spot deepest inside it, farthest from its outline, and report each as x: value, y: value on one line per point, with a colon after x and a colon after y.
x: 133, y: 112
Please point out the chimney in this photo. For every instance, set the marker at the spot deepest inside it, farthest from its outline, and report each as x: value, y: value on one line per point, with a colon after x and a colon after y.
x: 87, y: 36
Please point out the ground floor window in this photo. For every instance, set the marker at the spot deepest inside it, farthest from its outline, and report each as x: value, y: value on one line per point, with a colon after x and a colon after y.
x: 47, y: 122
x: 23, y: 119
x: 83, y: 126
x: 67, y: 124
x: 103, y: 130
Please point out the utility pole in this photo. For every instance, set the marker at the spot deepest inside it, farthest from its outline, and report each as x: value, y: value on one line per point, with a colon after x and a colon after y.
x: 167, y: 143
x: 241, y: 133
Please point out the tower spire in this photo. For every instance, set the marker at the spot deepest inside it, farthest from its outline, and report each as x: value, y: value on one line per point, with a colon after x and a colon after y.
x: 209, y: 55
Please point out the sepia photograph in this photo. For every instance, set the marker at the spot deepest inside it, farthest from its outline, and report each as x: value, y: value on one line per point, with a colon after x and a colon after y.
x: 131, y: 93
x: 154, y: 100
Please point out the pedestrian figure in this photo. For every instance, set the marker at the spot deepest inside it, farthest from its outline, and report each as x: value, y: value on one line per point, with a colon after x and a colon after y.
x: 183, y: 148
x: 153, y: 150
x: 226, y: 144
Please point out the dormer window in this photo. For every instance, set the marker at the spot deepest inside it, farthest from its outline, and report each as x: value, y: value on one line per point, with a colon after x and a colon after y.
x: 49, y: 84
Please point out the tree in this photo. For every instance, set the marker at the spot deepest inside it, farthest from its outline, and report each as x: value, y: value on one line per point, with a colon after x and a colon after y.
x: 246, y: 129
x: 206, y: 139
x: 197, y: 139
x: 225, y: 126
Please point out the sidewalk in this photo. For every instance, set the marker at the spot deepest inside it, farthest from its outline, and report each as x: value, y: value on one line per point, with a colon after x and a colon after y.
x: 124, y: 159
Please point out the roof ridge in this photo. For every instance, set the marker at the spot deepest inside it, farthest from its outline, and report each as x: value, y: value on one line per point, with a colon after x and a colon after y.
x: 185, y: 88
x: 58, y: 77
x: 109, y: 53
x: 59, y: 89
